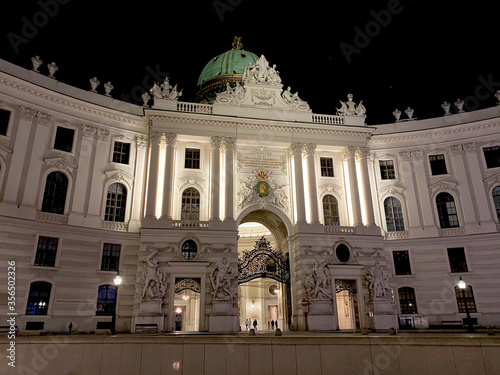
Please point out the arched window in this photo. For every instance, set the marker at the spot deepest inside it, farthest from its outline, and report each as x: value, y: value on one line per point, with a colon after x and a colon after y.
x: 496, y: 200
x: 38, y: 298
x: 331, y: 210
x: 407, y: 301
x: 116, y: 201
x: 190, y: 209
x: 394, y: 215
x: 106, y: 300
x: 189, y: 249
x: 447, y: 211
x: 54, y: 196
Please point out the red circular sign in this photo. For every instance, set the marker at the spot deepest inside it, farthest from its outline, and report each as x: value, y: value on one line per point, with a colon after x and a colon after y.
x: 304, y: 302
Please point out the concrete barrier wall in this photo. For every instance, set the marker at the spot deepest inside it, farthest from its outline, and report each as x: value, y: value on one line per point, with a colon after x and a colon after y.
x: 128, y: 354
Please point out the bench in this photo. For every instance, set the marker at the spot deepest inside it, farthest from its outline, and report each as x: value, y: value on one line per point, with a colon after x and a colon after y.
x: 146, y: 328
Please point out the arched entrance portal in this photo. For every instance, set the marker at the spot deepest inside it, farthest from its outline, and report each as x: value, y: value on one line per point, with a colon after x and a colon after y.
x: 264, y: 272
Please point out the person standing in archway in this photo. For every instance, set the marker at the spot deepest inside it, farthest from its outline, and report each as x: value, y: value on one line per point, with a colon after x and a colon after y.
x: 255, y: 324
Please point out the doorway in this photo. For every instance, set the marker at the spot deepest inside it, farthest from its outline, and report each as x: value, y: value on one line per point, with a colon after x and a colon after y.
x: 347, y: 304
x: 186, y: 307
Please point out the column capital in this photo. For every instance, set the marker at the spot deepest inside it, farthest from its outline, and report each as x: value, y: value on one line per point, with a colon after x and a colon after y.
x: 361, y: 153
x: 26, y: 113
x: 155, y: 138
x: 215, y: 142
x: 102, y: 134
x: 348, y: 152
x: 228, y: 143
x: 470, y: 147
x: 88, y: 131
x: 141, y: 143
x: 417, y: 154
x: 456, y: 149
x: 43, y: 119
x: 169, y: 139
x: 296, y: 148
x: 404, y: 156
x: 309, y: 149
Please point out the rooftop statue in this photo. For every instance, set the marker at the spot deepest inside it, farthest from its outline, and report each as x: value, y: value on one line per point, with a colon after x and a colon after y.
x: 261, y: 72
x: 409, y: 112
x: 107, y: 88
x: 446, y: 107
x: 53, y: 68
x: 237, y: 45
x: 36, y: 61
x: 349, y: 108
x: 94, y: 82
x: 396, y: 114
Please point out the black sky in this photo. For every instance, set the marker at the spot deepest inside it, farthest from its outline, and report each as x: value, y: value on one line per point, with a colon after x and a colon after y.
x: 427, y: 52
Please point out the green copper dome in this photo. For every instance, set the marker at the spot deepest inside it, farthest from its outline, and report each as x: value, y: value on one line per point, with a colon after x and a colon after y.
x: 228, y: 67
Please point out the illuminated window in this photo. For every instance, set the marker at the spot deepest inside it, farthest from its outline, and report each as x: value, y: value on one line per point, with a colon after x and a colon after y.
x: 394, y: 215
x: 407, y: 301
x: 465, y: 297
x: 192, y: 158
x: 326, y: 167
x: 38, y: 298
x: 190, y: 209
x: 331, y: 210
x: 106, y: 300
x: 46, y: 251
x: 387, y: 170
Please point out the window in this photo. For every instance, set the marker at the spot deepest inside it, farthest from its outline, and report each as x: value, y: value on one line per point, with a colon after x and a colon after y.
x: 447, y: 212
x: 4, y: 121
x: 394, y: 215
x: 192, y: 158
x: 387, y: 170
x: 343, y: 253
x: 331, y: 210
x: 407, y: 302
x: 189, y: 249
x: 121, y: 152
x: 46, y: 251
x: 38, y: 298
x: 438, y: 164
x: 110, y: 257
x: 116, y: 201
x: 54, y: 196
x: 106, y: 300
x: 492, y: 156
x: 456, y: 256
x: 64, y: 139
x: 465, y: 297
x: 190, y: 209
x: 402, y: 262
x: 326, y: 167
x: 496, y: 200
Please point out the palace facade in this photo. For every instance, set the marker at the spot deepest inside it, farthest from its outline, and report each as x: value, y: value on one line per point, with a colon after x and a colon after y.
x: 243, y: 207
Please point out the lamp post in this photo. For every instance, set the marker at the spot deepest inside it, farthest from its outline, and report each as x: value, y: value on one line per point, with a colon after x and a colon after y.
x: 470, y: 327
x: 117, y: 281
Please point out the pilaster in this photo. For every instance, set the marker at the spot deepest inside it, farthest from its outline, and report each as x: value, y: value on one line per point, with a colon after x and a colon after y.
x: 215, y: 143
x: 296, y: 150
x: 309, y: 150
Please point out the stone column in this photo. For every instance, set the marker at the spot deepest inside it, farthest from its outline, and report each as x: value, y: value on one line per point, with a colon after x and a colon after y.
x: 19, y: 154
x: 141, y: 145
x: 296, y: 150
x: 215, y: 179
x: 100, y: 161
x: 32, y: 189
x: 81, y: 195
x: 348, y: 156
x: 228, y: 145
x: 155, y: 139
x: 170, y: 140
x: 312, y: 183
x: 411, y: 194
x: 468, y: 209
x: 361, y: 156
x: 479, y: 191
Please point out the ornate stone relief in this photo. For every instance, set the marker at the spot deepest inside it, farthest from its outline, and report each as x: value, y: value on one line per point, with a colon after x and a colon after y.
x: 317, y: 283
x: 325, y: 250
x: 26, y: 113
x: 209, y: 248
x: 449, y: 186
x: 377, y: 282
x: 254, y: 190
x: 119, y: 176
x: 141, y: 143
x: 153, y: 283
x: 113, y: 225
x: 350, y: 108
x: 222, y: 279
x: 43, y: 119
x: 59, y: 164
x: 88, y: 131
x: 51, y: 218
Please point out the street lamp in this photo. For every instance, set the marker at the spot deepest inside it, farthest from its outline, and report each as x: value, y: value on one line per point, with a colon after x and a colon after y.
x: 117, y: 281
x: 463, y: 285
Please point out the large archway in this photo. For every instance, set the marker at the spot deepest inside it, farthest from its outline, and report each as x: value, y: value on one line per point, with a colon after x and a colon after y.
x: 264, y: 271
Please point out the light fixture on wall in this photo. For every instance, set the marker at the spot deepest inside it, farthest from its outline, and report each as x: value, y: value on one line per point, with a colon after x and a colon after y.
x: 185, y: 297
x: 253, y: 304
x: 178, y: 310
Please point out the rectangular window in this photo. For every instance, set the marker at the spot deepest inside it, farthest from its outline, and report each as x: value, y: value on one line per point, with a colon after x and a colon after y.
x: 46, y: 251
x: 492, y: 156
x: 456, y: 256
x: 438, y: 164
x: 121, y: 152
x: 326, y: 167
x: 64, y: 139
x: 110, y: 257
x: 192, y: 158
x: 402, y: 262
x: 387, y: 170
x: 465, y: 297
x: 4, y: 121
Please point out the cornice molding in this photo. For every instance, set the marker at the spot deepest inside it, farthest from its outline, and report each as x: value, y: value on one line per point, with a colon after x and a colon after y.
x: 74, y: 106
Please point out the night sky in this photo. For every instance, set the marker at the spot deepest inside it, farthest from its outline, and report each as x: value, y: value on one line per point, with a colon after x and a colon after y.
x: 411, y: 53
